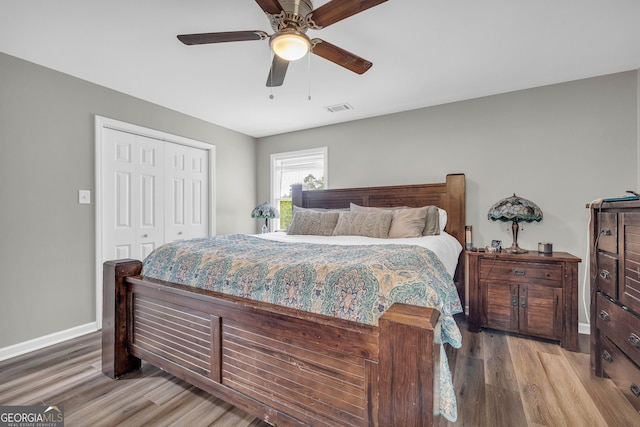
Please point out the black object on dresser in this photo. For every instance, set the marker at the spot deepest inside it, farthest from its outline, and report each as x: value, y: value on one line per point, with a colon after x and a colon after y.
x: 531, y: 294
x: 615, y: 295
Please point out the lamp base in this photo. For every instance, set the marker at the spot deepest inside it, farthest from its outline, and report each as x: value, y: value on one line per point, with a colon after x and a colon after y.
x: 514, y: 249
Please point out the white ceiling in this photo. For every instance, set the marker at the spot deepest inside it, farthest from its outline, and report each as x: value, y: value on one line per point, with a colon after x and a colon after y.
x: 424, y: 52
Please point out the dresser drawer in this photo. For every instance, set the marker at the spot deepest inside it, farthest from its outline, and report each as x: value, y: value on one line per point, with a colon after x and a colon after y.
x: 624, y: 373
x: 521, y: 272
x: 608, y: 274
x: 608, y: 237
x: 621, y: 326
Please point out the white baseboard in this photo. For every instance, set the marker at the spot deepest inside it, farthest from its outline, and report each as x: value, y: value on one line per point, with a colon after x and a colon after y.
x: 45, y: 341
x: 584, y: 328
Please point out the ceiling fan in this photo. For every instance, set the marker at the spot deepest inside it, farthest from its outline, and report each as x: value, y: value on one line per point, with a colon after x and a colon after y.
x: 290, y: 19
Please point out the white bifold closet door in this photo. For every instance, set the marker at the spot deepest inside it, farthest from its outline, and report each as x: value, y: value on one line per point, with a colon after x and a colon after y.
x: 154, y: 191
x: 186, y: 189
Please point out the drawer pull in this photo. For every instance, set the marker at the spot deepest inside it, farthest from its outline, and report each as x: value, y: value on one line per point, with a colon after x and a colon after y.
x: 523, y: 302
x: 519, y: 272
x: 635, y: 389
x: 514, y: 301
x: 634, y: 340
x: 605, y: 232
x: 604, y: 315
x: 607, y: 356
x: 605, y: 274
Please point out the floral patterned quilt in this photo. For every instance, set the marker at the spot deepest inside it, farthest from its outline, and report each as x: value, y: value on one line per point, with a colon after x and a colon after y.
x: 356, y: 283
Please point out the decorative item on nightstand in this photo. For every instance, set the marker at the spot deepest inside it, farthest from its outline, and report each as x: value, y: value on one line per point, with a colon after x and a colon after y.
x: 266, y: 211
x: 468, y: 237
x: 516, y: 209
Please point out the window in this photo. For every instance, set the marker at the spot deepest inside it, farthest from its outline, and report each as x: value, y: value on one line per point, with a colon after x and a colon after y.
x: 307, y: 167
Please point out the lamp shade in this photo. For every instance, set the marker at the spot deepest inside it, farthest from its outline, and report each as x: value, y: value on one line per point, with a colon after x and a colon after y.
x: 265, y: 210
x: 516, y: 209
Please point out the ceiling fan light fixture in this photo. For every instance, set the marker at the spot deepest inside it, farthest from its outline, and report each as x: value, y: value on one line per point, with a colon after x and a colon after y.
x: 290, y: 45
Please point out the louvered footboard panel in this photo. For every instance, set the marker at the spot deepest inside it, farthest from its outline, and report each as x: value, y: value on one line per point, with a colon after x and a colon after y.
x: 268, y: 363
x: 179, y: 334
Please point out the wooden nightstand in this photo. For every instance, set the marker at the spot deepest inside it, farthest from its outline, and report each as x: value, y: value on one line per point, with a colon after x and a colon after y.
x: 531, y: 294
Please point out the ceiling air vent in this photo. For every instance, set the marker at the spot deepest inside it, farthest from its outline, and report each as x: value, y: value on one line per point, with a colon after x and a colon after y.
x: 338, y: 107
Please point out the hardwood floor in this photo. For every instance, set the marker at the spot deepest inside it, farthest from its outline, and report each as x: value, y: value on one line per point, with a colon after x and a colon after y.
x: 70, y: 375
x: 501, y: 380
x: 508, y: 380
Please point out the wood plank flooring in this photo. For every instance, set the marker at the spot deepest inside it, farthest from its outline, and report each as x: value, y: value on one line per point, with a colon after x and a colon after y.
x: 501, y: 380
x: 508, y: 380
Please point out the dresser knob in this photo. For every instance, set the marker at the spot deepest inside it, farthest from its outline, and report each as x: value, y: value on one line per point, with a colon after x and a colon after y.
x: 607, y: 356
x: 635, y: 390
x: 634, y: 340
x: 604, y: 315
x: 605, y: 274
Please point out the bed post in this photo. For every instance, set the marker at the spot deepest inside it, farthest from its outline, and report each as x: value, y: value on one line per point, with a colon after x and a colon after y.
x: 116, y: 360
x: 409, y: 359
x: 456, y: 202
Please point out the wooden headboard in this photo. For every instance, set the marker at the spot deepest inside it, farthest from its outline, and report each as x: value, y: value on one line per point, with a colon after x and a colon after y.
x: 449, y: 195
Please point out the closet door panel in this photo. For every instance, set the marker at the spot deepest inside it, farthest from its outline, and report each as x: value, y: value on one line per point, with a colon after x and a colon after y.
x: 186, y: 173
x: 133, y: 222
x: 149, y: 197
x: 118, y: 171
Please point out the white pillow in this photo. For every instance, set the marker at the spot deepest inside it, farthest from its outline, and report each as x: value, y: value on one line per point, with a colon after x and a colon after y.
x: 442, y: 218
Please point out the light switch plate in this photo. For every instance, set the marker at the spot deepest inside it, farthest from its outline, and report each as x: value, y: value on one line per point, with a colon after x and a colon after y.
x: 84, y: 197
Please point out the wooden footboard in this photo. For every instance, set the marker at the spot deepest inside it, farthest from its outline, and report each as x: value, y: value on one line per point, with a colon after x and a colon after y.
x: 285, y: 366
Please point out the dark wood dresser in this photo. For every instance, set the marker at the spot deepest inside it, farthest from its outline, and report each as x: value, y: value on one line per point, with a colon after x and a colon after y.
x: 615, y: 295
x: 531, y: 294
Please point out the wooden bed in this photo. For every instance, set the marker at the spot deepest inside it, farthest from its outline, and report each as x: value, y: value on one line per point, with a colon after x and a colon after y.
x: 361, y: 375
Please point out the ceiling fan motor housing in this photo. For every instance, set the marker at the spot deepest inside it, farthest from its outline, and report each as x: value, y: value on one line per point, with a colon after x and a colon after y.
x: 298, y: 7
x: 293, y: 15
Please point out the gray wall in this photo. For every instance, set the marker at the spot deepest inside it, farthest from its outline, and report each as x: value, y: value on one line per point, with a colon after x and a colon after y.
x: 47, y: 240
x: 561, y: 146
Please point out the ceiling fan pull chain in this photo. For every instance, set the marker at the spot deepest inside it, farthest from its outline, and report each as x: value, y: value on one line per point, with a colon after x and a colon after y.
x: 270, y: 74
x: 309, y: 94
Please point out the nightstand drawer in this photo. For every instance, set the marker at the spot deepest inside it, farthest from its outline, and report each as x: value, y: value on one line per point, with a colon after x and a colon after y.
x: 608, y: 232
x: 621, y: 326
x: 607, y: 274
x: 521, y: 272
x: 624, y: 373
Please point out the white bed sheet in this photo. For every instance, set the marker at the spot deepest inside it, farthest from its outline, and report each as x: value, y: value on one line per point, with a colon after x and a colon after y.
x: 445, y: 246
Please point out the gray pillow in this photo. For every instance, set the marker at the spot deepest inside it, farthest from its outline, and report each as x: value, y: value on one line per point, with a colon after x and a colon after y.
x: 432, y: 225
x: 309, y: 222
x: 409, y: 222
x: 367, y: 224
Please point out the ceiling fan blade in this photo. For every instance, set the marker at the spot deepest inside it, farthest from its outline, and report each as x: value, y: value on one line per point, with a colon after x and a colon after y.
x: 337, y: 10
x: 340, y: 56
x: 271, y: 7
x: 229, y: 36
x: 277, y: 72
